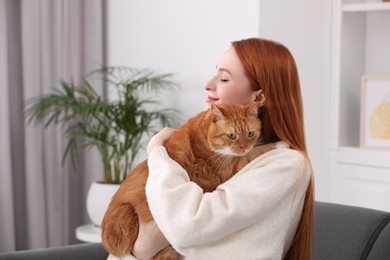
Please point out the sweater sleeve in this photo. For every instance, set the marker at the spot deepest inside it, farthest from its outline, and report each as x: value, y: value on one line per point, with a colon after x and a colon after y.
x: 189, y: 217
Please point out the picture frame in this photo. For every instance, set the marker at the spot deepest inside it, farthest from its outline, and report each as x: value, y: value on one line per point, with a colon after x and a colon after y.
x: 375, y: 112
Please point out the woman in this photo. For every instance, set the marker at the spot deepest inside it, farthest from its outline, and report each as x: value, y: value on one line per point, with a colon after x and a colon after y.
x: 266, y: 210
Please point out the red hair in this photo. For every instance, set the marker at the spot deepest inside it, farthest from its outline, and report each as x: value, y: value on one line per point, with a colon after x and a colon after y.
x: 271, y: 67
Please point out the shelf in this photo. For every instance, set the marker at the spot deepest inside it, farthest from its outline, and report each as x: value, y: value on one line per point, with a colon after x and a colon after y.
x: 366, y: 7
x: 362, y: 41
x: 357, y: 176
x: 362, y: 157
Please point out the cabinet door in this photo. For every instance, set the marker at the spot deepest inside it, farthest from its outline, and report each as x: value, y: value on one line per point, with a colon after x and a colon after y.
x: 358, y: 185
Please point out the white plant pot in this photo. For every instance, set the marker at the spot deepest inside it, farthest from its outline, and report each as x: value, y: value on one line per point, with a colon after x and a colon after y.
x: 98, y: 198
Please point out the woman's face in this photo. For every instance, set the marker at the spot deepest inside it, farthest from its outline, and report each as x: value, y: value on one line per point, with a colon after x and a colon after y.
x: 230, y: 84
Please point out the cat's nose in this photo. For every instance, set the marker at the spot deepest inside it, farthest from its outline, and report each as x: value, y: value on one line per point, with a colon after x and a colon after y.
x: 243, y: 146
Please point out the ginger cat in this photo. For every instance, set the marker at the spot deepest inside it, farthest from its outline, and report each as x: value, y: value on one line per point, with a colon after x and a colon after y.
x: 212, y: 147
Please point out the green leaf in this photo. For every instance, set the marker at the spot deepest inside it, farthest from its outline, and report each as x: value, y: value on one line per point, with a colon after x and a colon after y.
x: 114, y: 127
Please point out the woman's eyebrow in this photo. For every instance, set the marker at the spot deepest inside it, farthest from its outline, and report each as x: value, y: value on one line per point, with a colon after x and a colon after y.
x: 223, y: 69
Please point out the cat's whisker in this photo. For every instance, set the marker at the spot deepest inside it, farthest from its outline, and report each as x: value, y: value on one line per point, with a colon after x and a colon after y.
x: 214, y: 159
x: 259, y: 141
x: 220, y: 162
x: 225, y: 160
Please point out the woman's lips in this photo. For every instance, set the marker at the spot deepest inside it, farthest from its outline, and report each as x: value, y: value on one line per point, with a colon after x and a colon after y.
x: 211, y: 99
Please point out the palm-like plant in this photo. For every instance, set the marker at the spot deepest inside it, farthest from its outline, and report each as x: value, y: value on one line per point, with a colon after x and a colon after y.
x: 115, y: 127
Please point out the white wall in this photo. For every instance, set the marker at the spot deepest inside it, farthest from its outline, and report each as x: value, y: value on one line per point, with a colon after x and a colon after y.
x: 188, y: 38
x: 183, y: 37
x: 304, y: 26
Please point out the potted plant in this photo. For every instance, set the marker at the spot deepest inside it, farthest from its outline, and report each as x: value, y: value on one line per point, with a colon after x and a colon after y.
x: 114, y: 126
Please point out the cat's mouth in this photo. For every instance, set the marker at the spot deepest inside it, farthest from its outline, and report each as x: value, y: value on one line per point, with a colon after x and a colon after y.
x: 227, y: 151
x: 241, y: 154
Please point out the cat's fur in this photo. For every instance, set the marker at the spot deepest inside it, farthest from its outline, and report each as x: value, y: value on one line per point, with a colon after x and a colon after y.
x: 203, y: 147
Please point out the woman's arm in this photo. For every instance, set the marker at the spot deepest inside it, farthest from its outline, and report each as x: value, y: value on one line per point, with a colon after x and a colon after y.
x: 188, y: 217
x: 150, y: 240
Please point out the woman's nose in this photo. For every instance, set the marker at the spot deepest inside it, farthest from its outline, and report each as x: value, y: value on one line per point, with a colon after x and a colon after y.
x: 210, y: 85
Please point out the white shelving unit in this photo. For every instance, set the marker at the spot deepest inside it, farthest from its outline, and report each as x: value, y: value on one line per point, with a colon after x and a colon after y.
x: 365, y: 7
x: 360, y: 46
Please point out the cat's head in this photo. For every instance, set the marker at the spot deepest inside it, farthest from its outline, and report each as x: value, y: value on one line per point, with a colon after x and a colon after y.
x: 234, y: 129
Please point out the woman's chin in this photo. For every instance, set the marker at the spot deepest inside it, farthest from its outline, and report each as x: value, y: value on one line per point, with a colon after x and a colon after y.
x: 208, y: 104
x: 212, y: 101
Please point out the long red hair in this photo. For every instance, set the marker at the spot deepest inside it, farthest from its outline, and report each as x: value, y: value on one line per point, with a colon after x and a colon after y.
x: 271, y: 67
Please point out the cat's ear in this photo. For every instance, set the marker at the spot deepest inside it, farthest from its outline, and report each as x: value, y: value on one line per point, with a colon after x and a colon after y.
x: 253, y: 109
x: 216, y: 113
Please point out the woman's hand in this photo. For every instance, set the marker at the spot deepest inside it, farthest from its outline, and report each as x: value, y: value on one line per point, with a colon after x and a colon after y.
x: 160, y: 138
x: 149, y: 242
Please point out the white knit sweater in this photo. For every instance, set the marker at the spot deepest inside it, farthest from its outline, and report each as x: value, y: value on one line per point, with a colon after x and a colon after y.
x: 254, y: 215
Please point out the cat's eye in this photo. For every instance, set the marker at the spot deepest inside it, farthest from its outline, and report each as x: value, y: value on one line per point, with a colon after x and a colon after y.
x: 250, y: 134
x: 231, y: 136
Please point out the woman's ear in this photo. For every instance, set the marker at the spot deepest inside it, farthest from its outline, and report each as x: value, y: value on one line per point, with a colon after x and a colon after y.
x: 259, y: 97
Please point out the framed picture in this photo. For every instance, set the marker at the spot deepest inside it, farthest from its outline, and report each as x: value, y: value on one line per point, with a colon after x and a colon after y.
x: 375, y: 112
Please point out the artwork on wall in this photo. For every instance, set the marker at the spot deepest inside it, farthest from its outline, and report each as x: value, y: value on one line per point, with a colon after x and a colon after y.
x: 375, y: 112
